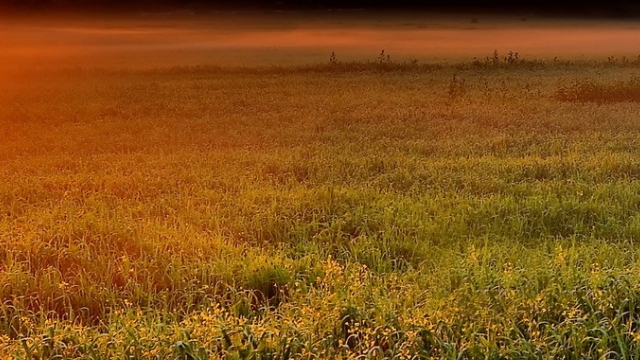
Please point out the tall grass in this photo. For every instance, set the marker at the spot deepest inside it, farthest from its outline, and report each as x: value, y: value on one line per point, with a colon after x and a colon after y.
x: 589, y: 91
x: 330, y: 212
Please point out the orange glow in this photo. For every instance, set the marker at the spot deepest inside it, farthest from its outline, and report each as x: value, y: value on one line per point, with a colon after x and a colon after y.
x: 237, y: 39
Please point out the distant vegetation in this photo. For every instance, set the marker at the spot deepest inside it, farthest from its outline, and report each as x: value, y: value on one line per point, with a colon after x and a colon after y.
x: 612, y: 9
x: 344, y: 210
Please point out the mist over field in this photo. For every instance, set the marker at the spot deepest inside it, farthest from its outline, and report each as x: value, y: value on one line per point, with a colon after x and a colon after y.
x: 236, y: 38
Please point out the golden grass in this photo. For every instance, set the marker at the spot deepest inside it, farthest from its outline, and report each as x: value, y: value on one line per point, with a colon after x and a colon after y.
x: 380, y: 210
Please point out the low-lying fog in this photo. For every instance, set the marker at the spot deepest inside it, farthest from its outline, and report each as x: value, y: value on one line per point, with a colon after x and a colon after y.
x: 295, y: 38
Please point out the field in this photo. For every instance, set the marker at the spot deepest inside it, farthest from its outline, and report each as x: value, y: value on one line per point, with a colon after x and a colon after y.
x: 371, y: 209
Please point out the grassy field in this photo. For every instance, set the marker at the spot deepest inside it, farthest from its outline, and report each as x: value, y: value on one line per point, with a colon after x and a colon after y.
x: 363, y: 210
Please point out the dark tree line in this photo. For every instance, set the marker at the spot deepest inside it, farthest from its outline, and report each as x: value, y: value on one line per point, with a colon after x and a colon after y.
x: 579, y: 7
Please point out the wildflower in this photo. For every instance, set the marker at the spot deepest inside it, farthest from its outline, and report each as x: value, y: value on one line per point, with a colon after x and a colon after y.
x: 4, y: 339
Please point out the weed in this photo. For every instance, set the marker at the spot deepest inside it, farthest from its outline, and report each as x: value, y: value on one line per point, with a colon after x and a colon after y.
x: 456, y: 89
x: 512, y: 58
x: 333, y: 60
x: 384, y: 59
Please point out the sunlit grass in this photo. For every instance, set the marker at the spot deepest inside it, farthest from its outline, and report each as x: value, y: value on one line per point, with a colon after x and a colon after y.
x: 388, y: 210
